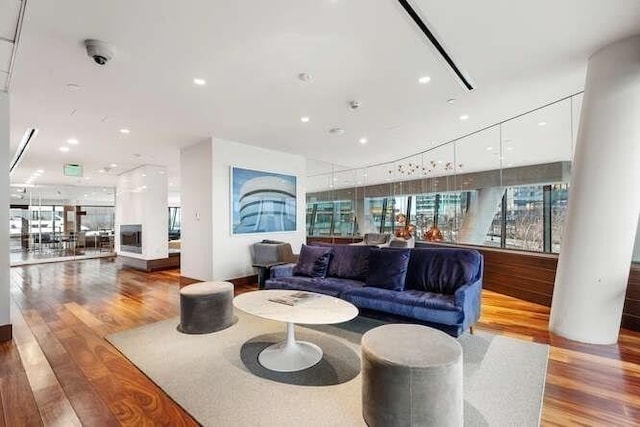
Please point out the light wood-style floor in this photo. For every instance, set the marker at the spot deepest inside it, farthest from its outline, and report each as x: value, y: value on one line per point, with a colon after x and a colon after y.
x: 60, y: 371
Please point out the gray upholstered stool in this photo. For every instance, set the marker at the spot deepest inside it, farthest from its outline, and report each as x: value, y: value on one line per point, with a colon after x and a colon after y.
x: 411, y: 376
x: 206, y: 307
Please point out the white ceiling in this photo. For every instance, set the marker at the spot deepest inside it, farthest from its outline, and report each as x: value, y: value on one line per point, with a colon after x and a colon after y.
x: 519, y: 55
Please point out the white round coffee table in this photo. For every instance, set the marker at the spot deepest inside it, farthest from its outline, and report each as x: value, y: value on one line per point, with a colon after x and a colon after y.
x: 291, y: 355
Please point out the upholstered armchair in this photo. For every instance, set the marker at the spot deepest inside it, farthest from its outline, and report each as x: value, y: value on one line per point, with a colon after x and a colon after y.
x: 269, y: 253
x: 375, y: 239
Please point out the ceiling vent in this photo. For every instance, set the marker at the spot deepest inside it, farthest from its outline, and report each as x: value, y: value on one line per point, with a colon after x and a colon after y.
x: 420, y: 22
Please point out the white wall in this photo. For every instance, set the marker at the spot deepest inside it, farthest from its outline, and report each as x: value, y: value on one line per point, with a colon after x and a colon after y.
x: 196, y: 192
x: 4, y: 212
x: 230, y: 255
x: 141, y: 198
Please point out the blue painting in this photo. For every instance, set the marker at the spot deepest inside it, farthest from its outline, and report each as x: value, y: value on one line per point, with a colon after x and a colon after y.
x: 262, y: 202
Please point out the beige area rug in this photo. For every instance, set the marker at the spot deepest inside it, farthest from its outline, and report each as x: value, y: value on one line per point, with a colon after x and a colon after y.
x: 217, y: 379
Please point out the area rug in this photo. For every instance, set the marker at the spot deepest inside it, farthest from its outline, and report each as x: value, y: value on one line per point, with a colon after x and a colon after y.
x: 217, y: 379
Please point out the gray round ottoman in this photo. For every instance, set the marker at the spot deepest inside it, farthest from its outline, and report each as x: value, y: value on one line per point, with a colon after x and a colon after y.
x: 411, y: 376
x: 206, y: 307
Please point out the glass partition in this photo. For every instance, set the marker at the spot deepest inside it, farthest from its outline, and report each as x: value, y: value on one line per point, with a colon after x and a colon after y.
x: 505, y: 186
x: 60, y: 222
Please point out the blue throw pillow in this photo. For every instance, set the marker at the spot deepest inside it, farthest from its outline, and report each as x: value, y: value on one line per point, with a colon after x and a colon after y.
x: 313, y: 261
x: 388, y: 268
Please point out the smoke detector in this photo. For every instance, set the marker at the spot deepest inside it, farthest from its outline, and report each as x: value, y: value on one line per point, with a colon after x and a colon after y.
x: 354, y: 105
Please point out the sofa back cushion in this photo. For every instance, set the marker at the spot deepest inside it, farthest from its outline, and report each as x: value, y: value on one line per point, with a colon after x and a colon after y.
x: 313, y: 261
x: 442, y: 270
x: 388, y: 268
x: 347, y: 261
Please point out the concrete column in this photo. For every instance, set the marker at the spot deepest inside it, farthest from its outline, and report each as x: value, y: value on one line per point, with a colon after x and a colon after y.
x: 363, y: 226
x: 5, y: 320
x: 636, y: 248
x: 479, y: 216
x: 593, y: 267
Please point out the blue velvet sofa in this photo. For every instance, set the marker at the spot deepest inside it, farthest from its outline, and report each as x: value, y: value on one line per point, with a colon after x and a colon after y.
x: 439, y: 287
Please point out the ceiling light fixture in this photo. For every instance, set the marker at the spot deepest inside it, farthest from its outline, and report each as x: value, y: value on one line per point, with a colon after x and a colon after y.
x: 199, y: 82
x: 489, y: 148
x: 113, y: 165
x: 424, y: 80
x: 336, y: 131
x: 464, y: 117
x: 72, y: 141
x: 363, y: 141
x: 40, y: 171
x: 125, y: 131
x: 451, y: 100
x: 305, y: 77
x: 542, y: 124
x: 305, y: 119
x: 64, y: 149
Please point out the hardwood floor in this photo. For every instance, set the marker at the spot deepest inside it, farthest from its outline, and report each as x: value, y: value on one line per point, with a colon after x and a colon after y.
x: 60, y: 371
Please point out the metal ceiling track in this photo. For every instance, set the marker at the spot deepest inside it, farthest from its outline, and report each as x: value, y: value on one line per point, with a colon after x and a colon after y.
x: 15, y: 41
x: 413, y: 14
x: 27, y: 138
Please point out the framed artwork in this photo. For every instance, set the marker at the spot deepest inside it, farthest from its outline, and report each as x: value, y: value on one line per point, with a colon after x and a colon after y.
x: 262, y: 202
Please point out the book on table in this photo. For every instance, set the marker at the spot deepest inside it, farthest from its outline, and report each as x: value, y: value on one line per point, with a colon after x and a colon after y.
x: 294, y: 298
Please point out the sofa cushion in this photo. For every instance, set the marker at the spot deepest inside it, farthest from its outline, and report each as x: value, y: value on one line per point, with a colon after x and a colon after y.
x: 327, y: 286
x: 347, y: 261
x: 442, y: 270
x: 388, y: 268
x: 313, y: 261
x: 425, y: 306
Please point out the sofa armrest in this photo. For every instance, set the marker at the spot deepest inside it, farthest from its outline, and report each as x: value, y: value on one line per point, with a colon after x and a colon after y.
x: 468, y: 297
x: 283, y: 270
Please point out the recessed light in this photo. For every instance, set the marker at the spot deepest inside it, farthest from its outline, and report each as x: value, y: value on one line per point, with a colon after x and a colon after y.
x: 85, y: 195
x: 305, y: 119
x: 424, y: 80
x: 305, y: 77
x: 542, y: 123
x: 199, y: 82
x: 125, y: 131
x: 113, y: 165
x: 363, y: 140
x: 336, y: 131
x: 464, y: 117
x: 144, y: 174
x: 72, y: 141
x: 510, y: 164
x: 40, y: 171
x: 451, y: 100
x: 509, y: 148
x: 102, y: 170
x: 64, y: 149
x: 87, y: 178
x: 489, y: 148
x: 73, y: 86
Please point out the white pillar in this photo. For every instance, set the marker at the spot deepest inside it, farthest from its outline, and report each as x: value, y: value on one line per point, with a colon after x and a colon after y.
x: 479, y: 216
x: 636, y: 248
x: 5, y: 321
x: 593, y: 267
x: 141, y: 199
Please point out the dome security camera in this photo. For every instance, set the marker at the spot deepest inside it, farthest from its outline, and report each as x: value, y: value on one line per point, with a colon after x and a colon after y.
x: 354, y: 105
x: 100, y: 51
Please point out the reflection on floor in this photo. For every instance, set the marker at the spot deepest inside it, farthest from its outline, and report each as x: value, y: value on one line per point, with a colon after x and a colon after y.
x: 36, y: 257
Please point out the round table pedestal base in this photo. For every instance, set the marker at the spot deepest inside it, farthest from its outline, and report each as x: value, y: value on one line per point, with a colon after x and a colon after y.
x: 290, y: 356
